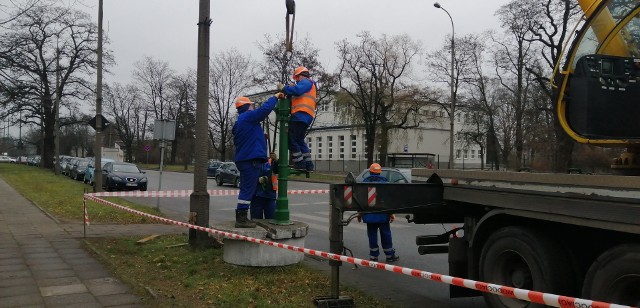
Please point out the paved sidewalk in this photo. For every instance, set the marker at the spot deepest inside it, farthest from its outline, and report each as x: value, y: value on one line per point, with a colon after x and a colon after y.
x: 43, y: 264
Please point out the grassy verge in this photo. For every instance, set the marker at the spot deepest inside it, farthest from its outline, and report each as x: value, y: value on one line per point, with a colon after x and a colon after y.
x: 61, y: 196
x: 184, y: 277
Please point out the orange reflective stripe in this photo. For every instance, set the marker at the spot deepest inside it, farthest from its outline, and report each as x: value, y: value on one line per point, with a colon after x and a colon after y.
x: 274, y: 181
x: 274, y: 177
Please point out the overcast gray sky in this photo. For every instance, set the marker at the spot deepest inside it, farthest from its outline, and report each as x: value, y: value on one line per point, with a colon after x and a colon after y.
x: 166, y: 29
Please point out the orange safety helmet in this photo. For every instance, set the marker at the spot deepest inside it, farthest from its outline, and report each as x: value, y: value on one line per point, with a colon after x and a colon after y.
x: 241, y: 101
x: 375, y: 168
x: 299, y: 70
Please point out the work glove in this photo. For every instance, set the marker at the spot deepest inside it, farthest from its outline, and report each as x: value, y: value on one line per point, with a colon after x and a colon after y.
x: 359, y: 217
x: 280, y: 95
x: 273, y: 156
x: 280, y: 86
x: 263, y: 180
x: 392, y: 217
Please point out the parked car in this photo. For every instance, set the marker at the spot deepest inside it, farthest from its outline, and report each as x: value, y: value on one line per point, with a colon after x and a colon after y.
x: 212, y: 169
x: 394, y: 175
x: 64, y: 159
x: 124, y: 176
x: 78, y: 169
x: 33, y: 160
x: 228, y: 174
x: 22, y: 160
x: 89, y: 172
x: 7, y: 159
x: 69, y: 165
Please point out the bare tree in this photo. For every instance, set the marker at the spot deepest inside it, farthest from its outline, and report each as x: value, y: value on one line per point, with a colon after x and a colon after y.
x: 548, y: 22
x: 122, y: 104
x: 28, y: 53
x: 153, y: 78
x: 13, y: 9
x: 230, y: 76
x: 373, y: 75
x: 513, y: 53
x: 277, y: 67
x: 182, y: 95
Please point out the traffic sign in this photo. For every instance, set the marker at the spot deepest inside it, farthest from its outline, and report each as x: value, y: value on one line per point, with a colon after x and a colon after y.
x: 147, y: 148
x: 105, y: 123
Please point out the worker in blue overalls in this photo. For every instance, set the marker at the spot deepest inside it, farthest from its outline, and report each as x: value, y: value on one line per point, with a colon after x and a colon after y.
x: 379, y: 221
x: 263, y: 204
x: 251, y: 152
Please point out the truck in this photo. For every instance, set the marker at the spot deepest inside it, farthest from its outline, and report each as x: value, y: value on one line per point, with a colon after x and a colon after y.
x: 568, y: 234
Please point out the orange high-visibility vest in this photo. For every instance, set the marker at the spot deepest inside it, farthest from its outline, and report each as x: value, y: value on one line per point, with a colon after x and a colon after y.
x: 305, y: 102
x: 274, y: 177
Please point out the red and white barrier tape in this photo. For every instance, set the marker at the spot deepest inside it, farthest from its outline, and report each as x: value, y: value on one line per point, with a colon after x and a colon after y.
x: 86, y: 214
x: 522, y: 294
x: 186, y: 193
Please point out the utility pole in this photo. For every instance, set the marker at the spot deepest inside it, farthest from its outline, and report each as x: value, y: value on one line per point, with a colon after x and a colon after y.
x: 199, y: 199
x: 56, y: 130
x: 97, y: 173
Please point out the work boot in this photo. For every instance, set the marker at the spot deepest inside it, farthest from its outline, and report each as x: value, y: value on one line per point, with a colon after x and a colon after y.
x: 309, y: 165
x: 393, y: 258
x: 300, y: 165
x: 242, y: 221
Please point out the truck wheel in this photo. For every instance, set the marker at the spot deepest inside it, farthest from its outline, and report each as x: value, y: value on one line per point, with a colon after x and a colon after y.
x: 522, y: 258
x: 615, y: 276
x: 219, y: 180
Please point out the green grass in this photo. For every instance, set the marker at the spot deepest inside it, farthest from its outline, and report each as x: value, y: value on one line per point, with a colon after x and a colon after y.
x: 186, y: 277
x: 61, y: 196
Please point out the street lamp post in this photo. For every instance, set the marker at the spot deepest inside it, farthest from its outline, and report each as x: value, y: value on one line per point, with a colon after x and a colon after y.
x: 453, y: 98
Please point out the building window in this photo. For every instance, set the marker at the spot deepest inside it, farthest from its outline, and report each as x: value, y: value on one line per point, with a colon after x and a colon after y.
x: 341, y: 150
x: 353, y: 155
x: 330, y: 155
x: 466, y: 152
x: 442, y: 114
x: 457, y: 154
x: 473, y: 153
x: 341, y: 156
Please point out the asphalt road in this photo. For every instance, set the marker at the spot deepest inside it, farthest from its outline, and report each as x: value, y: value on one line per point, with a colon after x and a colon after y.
x: 399, y: 289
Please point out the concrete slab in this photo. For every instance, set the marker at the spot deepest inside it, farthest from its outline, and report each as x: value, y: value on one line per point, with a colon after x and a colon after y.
x: 296, y: 229
x: 20, y: 301
x: 66, y: 300
x: 245, y: 253
x: 50, y: 282
x: 106, y: 286
x: 63, y: 290
x: 18, y: 290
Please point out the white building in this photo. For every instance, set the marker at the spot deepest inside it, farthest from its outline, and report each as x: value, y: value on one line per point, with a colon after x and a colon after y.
x: 339, y: 146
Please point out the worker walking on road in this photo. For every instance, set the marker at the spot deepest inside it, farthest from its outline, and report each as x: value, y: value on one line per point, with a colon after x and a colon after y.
x: 263, y: 205
x: 251, y: 151
x: 303, y: 110
x: 379, y: 221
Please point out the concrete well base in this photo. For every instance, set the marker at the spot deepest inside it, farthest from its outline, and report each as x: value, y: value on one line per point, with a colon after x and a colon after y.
x: 245, y: 253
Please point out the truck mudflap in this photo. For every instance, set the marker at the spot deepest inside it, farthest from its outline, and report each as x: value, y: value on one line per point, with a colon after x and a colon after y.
x: 459, y: 267
x: 424, y: 200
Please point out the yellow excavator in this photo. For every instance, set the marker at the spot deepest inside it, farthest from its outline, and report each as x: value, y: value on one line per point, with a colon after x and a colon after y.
x: 598, y: 88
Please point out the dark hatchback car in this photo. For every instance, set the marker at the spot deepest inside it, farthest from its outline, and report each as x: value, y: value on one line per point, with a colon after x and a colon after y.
x: 228, y: 174
x: 212, y: 169
x: 123, y: 176
x: 78, y: 169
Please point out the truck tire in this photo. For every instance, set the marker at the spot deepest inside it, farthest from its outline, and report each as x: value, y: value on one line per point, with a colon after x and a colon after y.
x: 615, y: 276
x: 219, y: 180
x: 523, y: 258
